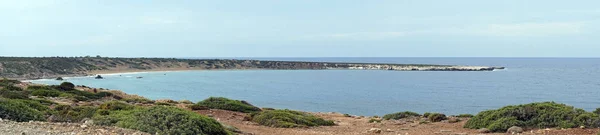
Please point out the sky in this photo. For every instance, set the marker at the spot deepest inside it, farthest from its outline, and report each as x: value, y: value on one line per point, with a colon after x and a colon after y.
x: 300, y: 28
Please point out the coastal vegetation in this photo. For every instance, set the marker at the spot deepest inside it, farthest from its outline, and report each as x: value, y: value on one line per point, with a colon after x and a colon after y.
x: 22, y: 105
x: 288, y: 119
x: 400, y: 115
x: 465, y: 115
x: 227, y: 104
x: 436, y: 117
x: 534, y: 115
x: 20, y: 111
x: 162, y: 120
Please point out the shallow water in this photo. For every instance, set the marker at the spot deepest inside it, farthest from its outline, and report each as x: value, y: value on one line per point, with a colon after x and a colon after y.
x: 573, y: 81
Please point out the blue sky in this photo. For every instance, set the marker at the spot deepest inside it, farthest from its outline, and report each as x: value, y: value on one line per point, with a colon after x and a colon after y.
x: 300, y: 28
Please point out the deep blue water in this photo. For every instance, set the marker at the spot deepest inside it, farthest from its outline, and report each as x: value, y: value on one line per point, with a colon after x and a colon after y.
x: 573, y: 81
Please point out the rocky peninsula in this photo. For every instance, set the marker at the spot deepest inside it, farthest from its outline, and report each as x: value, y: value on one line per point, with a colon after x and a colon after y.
x: 53, y: 67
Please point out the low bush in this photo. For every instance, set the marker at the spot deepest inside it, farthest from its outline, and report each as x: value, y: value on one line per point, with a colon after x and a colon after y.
x: 163, y: 120
x: 138, y: 100
x: 198, y: 107
x: 288, y: 119
x: 12, y: 88
x: 400, y: 115
x: 436, y: 117
x: 116, y: 105
x: 39, y: 87
x: 465, y: 115
x: 74, y: 97
x: 8, y: 82
x: 533, y: 115
x: 13, y: 94
x: 186, y: 102
x: 46, y: 93
x: 66, y: 113
x: 267, y: 108
x: 105, y: 94
x: 67, y: 86
x: 17, y: 110
x: 40, y: 105
x: 426, y: 115
x: 228, y: 104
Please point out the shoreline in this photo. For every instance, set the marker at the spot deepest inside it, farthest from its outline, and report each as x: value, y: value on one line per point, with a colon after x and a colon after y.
x: 24, y: 68
x: 135, y: 71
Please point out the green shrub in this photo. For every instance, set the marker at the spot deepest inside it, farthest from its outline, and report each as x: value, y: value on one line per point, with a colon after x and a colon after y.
x: 67, y: 86
x: 198, y: 107
x: 465, y: 115
x: 400, y: 115
x: 426, y: 115
x: 436, y: 117
x: 8, y: 82
x: 12, y: 88
x: 17, y: 110
x: 267, y: 108
x: 138, y: 100
x: 347, y: 115
x: 115, y: 105
x: 39, y: 87
x: 163, y: 120
x: 503, y: 124
x: 46, y: 93
x: 104, y: 94
x: 228, y: 104
x: 597, y: 111
x: 40, y: 105
x: 74, y: 97
x: 186, y: 102
x: 533, y: 115
x: 288, y: 119
x: 66, y: 113
x: 86, y: 94
x: 13, y: 94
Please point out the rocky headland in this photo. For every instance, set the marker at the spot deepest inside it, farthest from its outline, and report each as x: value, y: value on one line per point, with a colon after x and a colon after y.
x: 53, y: 67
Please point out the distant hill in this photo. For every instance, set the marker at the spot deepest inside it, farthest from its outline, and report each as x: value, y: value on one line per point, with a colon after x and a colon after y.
x: 50, y: 67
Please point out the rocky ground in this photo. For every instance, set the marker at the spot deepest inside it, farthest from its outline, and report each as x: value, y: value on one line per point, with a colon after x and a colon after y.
x: 46, y: 128
x: 361, y: 126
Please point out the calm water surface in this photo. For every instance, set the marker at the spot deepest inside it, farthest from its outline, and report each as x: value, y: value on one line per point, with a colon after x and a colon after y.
x: 574, y: 81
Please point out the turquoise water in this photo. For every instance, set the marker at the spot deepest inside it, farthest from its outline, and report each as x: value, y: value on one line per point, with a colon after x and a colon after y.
x: 574, y: 81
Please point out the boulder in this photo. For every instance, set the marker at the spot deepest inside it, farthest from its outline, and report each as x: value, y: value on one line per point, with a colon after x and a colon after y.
x: 375, y: 130
x: 514, y: 130
x: 483, y: 130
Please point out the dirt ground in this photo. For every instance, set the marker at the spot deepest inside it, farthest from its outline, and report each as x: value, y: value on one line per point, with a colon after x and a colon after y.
x: 361, y: 126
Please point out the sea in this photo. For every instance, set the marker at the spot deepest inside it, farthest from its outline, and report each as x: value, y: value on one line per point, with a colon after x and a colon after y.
x: 572, y: 81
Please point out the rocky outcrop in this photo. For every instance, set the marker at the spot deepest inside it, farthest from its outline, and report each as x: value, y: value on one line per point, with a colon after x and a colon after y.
x: 52, y: 67
x: 514, y: 130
